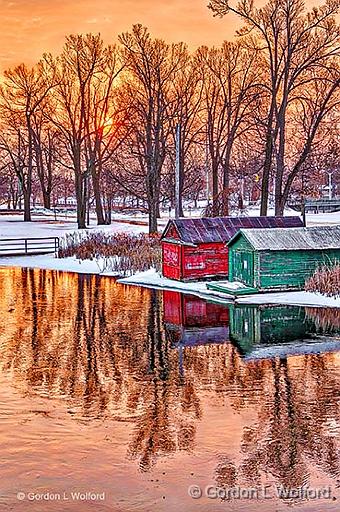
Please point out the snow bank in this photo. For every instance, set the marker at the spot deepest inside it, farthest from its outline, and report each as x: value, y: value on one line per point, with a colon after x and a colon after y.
x: 151, y: 279
x: 319, y: 346
x: 50, y: 262
x: 12, y: 226
x: 291, y: 298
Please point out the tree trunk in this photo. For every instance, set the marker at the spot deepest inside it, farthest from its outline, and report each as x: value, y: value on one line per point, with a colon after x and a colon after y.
x: 280, y: 159
x: 40, y: 169
x: 27, y: 206
x: 108, y: 211
x: 215, y: 189
x: 267, y: 163
x: 81, y: 213
x: 80, y: 187
x: 280, y: 207
x: 225, y: 192
x: 97, y: 198
x: 46, y: 198
x: 153, y: 228
x: 28, y: 188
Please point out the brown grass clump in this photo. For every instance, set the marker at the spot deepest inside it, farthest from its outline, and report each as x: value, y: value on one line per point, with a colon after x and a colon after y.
x: 326, y: 319
x: 120, y: 253
x: 326, y: 280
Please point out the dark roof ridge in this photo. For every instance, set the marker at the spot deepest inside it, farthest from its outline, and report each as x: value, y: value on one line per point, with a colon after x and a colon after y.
x: 222, y: 229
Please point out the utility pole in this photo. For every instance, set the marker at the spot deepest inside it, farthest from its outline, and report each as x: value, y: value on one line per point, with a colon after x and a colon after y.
x: 178, y: 172
x: 207, y: 167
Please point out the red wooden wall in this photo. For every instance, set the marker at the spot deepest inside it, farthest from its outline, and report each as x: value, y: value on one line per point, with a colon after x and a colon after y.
x: 183, y: 262
x: 172, y: 260
x: 205, y: 260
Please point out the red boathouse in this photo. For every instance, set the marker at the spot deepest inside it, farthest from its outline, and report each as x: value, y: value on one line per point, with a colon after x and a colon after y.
x: 197, y: 248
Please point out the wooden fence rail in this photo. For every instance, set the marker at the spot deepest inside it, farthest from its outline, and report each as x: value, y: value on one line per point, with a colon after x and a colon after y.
x: 25, y: 246
x: 316, y: 205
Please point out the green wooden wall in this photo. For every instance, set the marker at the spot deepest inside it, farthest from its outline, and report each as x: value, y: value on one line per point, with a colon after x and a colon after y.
x: 275, y: 270
x: 291, y: 269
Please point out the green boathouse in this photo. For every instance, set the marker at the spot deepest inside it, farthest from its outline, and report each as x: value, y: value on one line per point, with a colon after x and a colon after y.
x: 281, y: 259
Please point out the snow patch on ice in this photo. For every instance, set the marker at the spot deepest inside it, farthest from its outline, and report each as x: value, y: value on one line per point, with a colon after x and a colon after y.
x: 291, y: 298
x: 152, y: 279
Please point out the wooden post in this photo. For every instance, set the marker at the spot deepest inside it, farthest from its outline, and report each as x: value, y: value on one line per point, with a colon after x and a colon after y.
x: 304, y: 213
x: 178, y: 171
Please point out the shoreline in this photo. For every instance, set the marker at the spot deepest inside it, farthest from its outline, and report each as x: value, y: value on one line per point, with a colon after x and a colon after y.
x: 151, y: 279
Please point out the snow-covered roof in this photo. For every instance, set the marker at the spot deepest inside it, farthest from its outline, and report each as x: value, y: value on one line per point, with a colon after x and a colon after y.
x: 323, y: 237
x: 222, y: 229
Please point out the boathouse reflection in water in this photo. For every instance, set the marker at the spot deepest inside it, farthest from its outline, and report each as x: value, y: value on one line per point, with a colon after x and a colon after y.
x: 165, y: 364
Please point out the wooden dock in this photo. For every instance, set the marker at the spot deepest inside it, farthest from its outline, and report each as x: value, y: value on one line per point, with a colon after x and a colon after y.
x: 28, y: 246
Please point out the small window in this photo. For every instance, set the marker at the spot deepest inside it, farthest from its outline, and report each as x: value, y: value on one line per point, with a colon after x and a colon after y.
x: 245, y: 264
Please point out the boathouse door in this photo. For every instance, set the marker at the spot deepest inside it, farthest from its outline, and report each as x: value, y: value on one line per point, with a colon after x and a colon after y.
x: 243, y: 265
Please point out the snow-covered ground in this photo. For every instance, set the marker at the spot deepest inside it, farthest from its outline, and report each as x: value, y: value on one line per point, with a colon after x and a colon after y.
x: 296, y: 348
x: 291, y: 298
x: 151, y: 279
x: 12, y: 226
x: 50, y: 262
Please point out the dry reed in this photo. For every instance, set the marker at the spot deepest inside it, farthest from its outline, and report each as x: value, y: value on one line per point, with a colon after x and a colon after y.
x: 325, y: 319
x: 119, y: 253
x: 325, y: 280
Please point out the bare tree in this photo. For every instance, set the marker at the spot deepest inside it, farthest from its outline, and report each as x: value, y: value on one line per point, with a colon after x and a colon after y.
x: 298, y: 48
x: 104, y: 125
x: 230, y: 79
x: 77, y: 69
x: 184, y: 107
x: 21, y: 97
x: 151, y: 67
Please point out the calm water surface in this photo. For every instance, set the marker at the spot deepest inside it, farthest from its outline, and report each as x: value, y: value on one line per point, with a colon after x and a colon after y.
x: 136, y: 395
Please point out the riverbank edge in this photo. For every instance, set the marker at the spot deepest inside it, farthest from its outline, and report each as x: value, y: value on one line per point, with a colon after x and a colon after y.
x: 152, y: 279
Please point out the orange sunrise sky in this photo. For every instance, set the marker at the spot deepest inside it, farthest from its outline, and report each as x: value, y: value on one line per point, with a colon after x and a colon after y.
x: 31, y: 27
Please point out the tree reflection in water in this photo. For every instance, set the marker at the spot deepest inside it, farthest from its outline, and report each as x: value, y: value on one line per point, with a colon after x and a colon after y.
x: 171, y: 406
x: 102, y: 347
x: 294, y: 432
